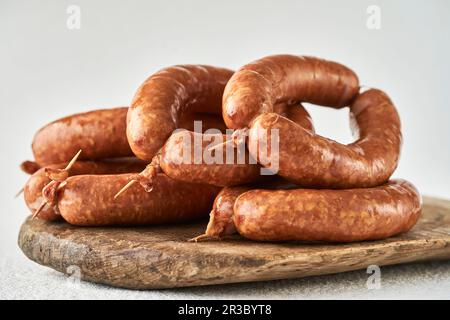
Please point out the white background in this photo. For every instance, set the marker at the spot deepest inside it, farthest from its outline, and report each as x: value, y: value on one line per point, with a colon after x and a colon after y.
x: 48, y: 71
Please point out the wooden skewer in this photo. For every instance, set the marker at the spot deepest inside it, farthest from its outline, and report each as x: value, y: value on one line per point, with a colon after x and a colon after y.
x: 61, y: 174
x: 146, y: 178
x: 36, y: 213
x: 235, y: 139
x: 18, y: 193
x: 44, y: 203
x: 220, y: 144
x: 74, y: 159
x: 60, y: 186
x: 203, y: 237
x: 125, y: 188
x: 70, y: 165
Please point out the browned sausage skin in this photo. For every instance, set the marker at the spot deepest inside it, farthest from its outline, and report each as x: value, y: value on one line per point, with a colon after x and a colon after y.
x: 173, y: 161
x: 310, y: 160
x: 328, y: 215
x: 165, y: 96
x: 36, y: 183
x: 258, y: 86
x: 89, y: 201
x: 207, y: 121
x: 221, y: 216
x: 101, y: 134
x: 220, y: 172
x: 178, y: 157
x: 29, y: 167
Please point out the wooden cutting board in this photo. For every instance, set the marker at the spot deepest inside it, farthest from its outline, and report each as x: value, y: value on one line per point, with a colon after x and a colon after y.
x: 160, y: 257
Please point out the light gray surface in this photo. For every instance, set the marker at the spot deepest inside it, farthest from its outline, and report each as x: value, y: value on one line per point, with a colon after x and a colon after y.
x: 48, y: 71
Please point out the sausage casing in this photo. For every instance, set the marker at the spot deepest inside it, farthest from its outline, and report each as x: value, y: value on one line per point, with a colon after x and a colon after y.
x: 33, y: 188
x: 221, y: 221
x: 186, y: 155
x: 311, y: 160
x: 178, y: 160
x: 29, y: 167
x: 165, y: 96
x: 101, y: 134
x: 221, y: 216
x: 89, y: 201
x: 328, y: 215
x: 258, y: 86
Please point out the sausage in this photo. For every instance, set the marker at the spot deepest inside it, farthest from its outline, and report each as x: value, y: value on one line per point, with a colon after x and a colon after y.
x: 88, y: 200
x: 256, y: 87
x: 328, y: 215
x: 165, y: 96
x: 29, y: 167
x: 33, y: 188
x: 212, y: 167
x: 217, y: 171
x: 184, y: 159
x: 310, y: 160
x: 101, y: 134
x: 208, y: 121
x: 296, y: 113
x: 221, y: 216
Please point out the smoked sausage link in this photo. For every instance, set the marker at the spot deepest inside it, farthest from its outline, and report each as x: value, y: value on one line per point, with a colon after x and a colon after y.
x: 310, y: 160
x: 221, y: 216
x: 100, y: 134
x: 258, y: 86
x: 165, y: 96
x: 328, y: 215
x: 35, y: 184
x: 89, y: 201
x: 221, y: 221
x: 29, y: 167
x: 183, y: 156
x: 182, y: 167
x: 208, y: 121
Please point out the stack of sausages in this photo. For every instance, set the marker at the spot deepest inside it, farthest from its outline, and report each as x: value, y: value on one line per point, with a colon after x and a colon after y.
x: 127, y: 170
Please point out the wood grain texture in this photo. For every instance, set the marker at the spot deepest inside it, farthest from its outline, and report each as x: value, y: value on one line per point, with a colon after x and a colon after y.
x: 160, y: 257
